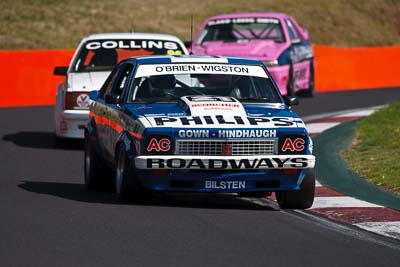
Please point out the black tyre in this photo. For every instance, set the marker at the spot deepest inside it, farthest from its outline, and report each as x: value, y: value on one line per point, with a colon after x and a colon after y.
x: 61, y: 142
x: 127, y: 186
x: 97, y: 174
x: 298, y: 199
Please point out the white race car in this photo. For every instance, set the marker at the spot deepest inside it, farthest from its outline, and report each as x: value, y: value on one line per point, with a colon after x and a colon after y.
x: 91, y: 64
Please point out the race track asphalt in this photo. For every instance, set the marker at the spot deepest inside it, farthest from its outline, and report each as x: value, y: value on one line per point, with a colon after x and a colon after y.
x: 48, y: 218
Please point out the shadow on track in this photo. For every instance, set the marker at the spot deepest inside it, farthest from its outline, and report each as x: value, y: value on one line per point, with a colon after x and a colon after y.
x: 43, y: 140
x: 78, y: 192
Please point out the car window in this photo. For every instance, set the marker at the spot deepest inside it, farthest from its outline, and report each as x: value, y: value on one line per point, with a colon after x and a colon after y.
x: 103, y: 55
x: 168, y: 83
x: 122, y: 82
x: 242, y: 29
x: 108, y: 84
x: 293, y: 33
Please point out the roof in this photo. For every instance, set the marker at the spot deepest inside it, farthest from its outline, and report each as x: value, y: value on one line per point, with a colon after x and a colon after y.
x: 250, y: 15
x: 133, y: 35
x: 193, y: 59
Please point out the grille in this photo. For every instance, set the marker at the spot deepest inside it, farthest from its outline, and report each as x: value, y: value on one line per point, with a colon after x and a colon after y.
x: 240, y: 147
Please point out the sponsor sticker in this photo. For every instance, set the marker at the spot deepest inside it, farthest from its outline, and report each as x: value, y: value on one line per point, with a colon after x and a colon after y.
x: 223, y: 121
x: 199, y: 68
x: 242, y: 20
x: 159, y: 145
x: 296, y: 145
x: 221, y: 164
x: 83, y: 101
x: 225, y: 184
x: 133, y: 44
x: 231, y: 133
x: 293, y: 144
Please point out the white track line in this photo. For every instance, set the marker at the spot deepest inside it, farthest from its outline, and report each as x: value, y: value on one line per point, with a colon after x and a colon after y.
x: 317, y: 184
x: 361, y: 113
x: 341, y: 202
x: 390, y: 229
x: 319, y: 127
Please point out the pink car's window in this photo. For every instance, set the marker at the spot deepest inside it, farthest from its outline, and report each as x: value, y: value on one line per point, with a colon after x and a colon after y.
x: 242, y: 29
x: 293, y: 33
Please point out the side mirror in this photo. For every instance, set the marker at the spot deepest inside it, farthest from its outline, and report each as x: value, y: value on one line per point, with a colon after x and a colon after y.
x: 112, y: 99
x: 60, y: 70
x: 93, y: 95
x: 291, y: 101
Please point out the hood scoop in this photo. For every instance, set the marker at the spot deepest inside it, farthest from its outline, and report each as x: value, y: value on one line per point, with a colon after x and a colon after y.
x: 201, y: 105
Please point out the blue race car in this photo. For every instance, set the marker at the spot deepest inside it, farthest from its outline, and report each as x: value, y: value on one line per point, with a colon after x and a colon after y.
x: 197, y: 124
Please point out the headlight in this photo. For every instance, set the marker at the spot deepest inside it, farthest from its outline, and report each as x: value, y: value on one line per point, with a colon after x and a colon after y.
x: 271, y: 63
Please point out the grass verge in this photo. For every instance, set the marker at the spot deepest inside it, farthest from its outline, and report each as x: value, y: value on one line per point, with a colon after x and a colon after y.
x: 46, y: 24
x: 375, y: 152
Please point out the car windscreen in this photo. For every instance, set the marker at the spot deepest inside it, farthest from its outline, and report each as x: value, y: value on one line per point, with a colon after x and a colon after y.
x: 242, y: 29
x: 169, y: 82
x: 103, y: 55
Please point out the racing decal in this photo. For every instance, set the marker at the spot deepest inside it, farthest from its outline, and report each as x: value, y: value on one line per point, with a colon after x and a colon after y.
x: 194, y: 133
x: 246, y: 133
x: 83, y: 101
x: 132, y: 44
x: 159, y: 145
x: 222, y: 121
x: 242, y: 20
x: 236, y: 133
x: 210, y: 163
x: 292, y: 144
x: 209, y: 105
x: 174, y: 52
x: 225, y: 184
x: 133, y: 130
x: 146, y: 70
x: 296, y: 145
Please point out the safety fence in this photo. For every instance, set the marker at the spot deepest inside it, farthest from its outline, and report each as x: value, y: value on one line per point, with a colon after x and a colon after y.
x: 27, y: 76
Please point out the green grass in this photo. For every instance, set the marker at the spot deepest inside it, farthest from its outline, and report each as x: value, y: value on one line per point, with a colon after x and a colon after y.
x: 375, y: 153
x: 44, y: 24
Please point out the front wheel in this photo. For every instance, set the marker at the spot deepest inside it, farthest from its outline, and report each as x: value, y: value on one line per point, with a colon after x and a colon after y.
x: 299, y: 199
x: 97, y: 175
x: 127, y: 186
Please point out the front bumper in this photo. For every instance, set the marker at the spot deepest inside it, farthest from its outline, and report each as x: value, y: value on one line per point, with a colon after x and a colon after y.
x: 223, y: 174
x: 176, y: 162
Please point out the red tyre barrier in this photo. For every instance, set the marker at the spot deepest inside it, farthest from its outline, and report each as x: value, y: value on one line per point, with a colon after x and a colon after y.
x: 27, y: 76
x: 356, y: 68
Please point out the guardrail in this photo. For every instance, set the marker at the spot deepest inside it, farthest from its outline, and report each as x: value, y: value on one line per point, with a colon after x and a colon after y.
x: 27, y: 76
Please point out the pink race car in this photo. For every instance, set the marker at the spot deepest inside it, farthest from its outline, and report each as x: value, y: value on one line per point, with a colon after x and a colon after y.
x: 273, y: 38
